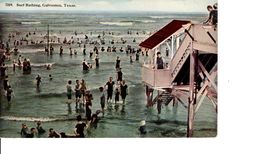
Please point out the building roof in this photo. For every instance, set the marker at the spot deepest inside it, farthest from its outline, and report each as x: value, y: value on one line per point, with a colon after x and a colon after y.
x: 163, y: 34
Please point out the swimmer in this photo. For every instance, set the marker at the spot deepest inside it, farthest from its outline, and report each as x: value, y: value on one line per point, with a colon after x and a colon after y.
x: 94, y: 119
x: 48, y: 66
x: 53, y: 134
x: 24, y: 130
x: 39, y: 128
x: 32, y: 134
x: 50, y: 77
x: 80, y: 127
x: 85, y: 65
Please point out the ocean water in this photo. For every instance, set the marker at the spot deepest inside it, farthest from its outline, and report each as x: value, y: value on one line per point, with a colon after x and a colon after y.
x: 48, y: 104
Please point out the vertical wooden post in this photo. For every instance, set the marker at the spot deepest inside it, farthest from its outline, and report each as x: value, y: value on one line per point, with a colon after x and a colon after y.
x: 192, y: 97
x: 172, y: 42
x: 177, y: 42
x: 149, y: 94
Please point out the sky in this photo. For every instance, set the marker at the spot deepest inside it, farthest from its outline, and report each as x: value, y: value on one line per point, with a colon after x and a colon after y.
x: 116, y: 5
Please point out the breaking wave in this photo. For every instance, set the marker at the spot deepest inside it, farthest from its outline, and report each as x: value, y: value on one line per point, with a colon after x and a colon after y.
x: 30, y: 22
x: 122, y: 23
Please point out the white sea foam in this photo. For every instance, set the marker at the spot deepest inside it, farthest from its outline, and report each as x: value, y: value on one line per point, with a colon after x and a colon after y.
x: 160, y: 17
x: 117, y: 23
x: 146, y: 21
x: 30, y: 22
x: 13, y: 118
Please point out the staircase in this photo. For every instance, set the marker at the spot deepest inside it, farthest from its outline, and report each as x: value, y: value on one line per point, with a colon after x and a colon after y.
x: 180, y: 57
x: 166, y: 97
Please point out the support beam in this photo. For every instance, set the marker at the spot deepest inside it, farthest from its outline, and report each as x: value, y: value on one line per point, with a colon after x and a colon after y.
x: 201, y: 100
x: 171, y: 49
x: 172, y: 43
x: 177, y: 42
x: 192, y: 97
x: 207, y: 75
x: 182, y: 102
x: 149, y: 95
x: 214, y: 104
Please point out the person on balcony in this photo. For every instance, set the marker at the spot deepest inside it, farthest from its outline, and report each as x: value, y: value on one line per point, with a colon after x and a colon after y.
x: 213, y: 15
x: 159, y: 61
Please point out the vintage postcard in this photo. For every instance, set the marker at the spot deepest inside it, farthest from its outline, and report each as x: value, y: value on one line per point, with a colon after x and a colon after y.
x: 108, y: 68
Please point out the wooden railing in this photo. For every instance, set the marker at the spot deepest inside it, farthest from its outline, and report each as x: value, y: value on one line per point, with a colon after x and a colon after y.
x: 160, y: 78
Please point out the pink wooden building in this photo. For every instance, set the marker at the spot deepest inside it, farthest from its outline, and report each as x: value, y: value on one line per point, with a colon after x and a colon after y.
x: 190, y: 75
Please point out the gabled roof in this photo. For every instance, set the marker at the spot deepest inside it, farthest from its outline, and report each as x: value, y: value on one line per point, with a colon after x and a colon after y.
x: 163, y: 34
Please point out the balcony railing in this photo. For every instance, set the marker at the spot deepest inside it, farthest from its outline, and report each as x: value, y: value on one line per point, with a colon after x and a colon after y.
x: 157, y: 78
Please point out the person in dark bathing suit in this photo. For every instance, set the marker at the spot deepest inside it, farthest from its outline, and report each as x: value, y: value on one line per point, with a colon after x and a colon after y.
x: 88, y: 99
x: 97, y: 61
x: 79, y: 128
x: 102, y: 100
x: 123, y: 91
x: 117, y: 62
x: 119, y: 75
x: 110, y: 87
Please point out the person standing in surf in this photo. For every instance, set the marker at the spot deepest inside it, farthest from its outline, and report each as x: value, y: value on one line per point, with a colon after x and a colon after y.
x: 77, y: 93
x: 117, y: 62
x: 84, y: 50
x: 69, y: 91
x: 70, y: 51
x: 102, y: 100
x: 123, y: 91
x: 97, y: 61
x: 61, y: 50
x: 119, y: 75
x: 80, y: 127
x: 69, y: 95
x: 83, y: 89
x: 110, y: 87
x: 9, y: 92
x: 38, y: 80
x: 89, y: 99
x: 90, y: 54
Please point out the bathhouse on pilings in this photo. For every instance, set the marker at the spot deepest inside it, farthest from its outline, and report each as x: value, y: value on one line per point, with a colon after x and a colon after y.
x: 190, y: 70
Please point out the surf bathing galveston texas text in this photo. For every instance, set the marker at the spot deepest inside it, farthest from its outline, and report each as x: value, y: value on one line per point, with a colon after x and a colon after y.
x: 38, y: 5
